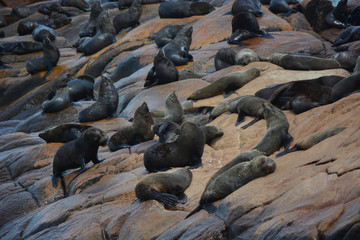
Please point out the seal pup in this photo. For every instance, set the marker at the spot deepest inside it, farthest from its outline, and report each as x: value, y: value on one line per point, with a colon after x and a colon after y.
x: 106, y: 104
x: 226, y: 85
x: 42, y: 31
x: 312, y: 140
x: 251, y: 6
x: 74, y: 154
x: 167, y: 188
x: 224, y: 58
x: 350, y: 34
x: 139, y: 131
x: 47, y: 62
x: 232, y: 179
x: 81, y: 88
x: 184, y: 9
x: 163, y: 71
x: 246, y: 56
x: 277, y: 131
x: 186, y: 150
x: 56, y: 100
x: 177, y: 50
x: 173, y: 110
x: 89, y: 28
x: 166, y: 34
x: 128, y: 19
x: 245, y: 26
x: 282, y: 6
x: 211, y: 132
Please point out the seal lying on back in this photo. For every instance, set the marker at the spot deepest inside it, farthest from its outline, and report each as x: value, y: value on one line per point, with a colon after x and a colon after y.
x: 350, y: 34
x: 166, y: 34
x: 139, y: 131
x: 313, y: 139
x: 277, y: 130
x: 173, y: 110
x: 128, y: 19
x: 230, y: 178
x: 89, y: 28
x: 183, y: 9
x: 167, y: 188
x: 251, y: 6
x: 226, y: 84
x: 186, y: 150
x: 76, y: 154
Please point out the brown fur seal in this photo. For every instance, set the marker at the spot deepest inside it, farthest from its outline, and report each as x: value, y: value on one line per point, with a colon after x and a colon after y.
x: 173, y: 110
x: 313, y: 139
x: 346, y: 87
x: 277, y: 131
x: 27, y: 26
x: 89, y: 28
x: 183, y: 9
x: 76, y: 154
x: 139, y: 131
x: 177, y: 50
x: 42, y: 31
x: 245, y: 26
x: 350, y: 34
x: 163, y: 71
x: 81, y: 88
x: 56, y: 100
x: 211, y: 132
x: 166, y: 34
x: 128, y: 19
x: 167, y: 188
x: 186, y: 150
x: 282, y: 6
x: 298, y: 62
x: 232, y: 179
x: 246, y: 56
x: 106, y: 104
x: 226, y: 85
x: 224, y: 58
x: 251, y: 6
x: 48, y: 8
x: 68, y: 132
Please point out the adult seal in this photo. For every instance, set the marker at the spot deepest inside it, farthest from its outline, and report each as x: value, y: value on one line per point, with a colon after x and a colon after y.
x: 250, y: 6
x: 166, y: 34
x: 81, y: 88
x: 106, y: 104
x: 167, y: 188
x: 41, y: 32
x: 128, y: 19
x: 186, y: 150
x: 346, y: 87
x: 173, y: 110
x: 232, y: 178
x: 224, y: 58
x: 282, y: 6
x: 183, y: 9
x: 76, y: 154
x: 139, y: 131
x: 89, y: 28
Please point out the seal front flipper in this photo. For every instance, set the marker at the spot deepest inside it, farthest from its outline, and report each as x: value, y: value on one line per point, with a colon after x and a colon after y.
x: 227, y: 92
x: 287, y: 139
x: 251, y: 123
x: 286, y: 151
x: 240, y: 119
x: 55, y: 180
x: 165, y: 198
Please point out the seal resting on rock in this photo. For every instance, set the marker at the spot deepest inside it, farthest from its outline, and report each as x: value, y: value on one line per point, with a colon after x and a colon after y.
x: 282, y: 6
x: 166, y: 34
x: 224, y: 58
x: 346, y: 87
x: 57, y: 100
x: 80, y: 4
x: 128, y: 19
x: 42, y: 31
x: 251, y: 6
x: 167, y: 188
x: 89, y: 28
x: 350, y: 34
x: 183, y: 9
x: 81, y: 88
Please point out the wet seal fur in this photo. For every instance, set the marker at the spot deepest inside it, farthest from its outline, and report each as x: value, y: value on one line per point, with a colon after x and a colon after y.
x: 246, y: 167
x: 177, y: 50
x: 186, y: 150
x: 313, y: 139
x: 139, y: 131
x: 41, y: 32
x: 128, y: 19
x: 183, y: 9
x: 167, y: 188
x: 76, y: 154
x: 277, y: 131
x: 251, y: 6
x: 106, y: 104
x: 173, y: 110
x: 89, y: 28
x: 81, y: 88
x: 226, y: 85
x: 166, y: 34
x: 350, y: 34
x: 163, y: 71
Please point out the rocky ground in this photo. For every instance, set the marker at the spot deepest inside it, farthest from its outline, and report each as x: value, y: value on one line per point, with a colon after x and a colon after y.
x: 313, y: 194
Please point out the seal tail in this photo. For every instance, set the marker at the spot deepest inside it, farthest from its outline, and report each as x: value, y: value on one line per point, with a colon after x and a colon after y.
x: 197, y: 209
x: 286, y: 151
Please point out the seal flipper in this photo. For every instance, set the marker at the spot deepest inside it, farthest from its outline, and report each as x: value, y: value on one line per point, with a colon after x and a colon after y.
x: 209, y: 207
x: 165, y: 198
x: 287, y: 139
x: 288, y: 13
x: 240, y: 119
x: 47, y: 73
x: 55, y: 180
x: 251, y: 123
x: 286, y: 151
x: 197, y: 209
x: 227, y: 92
x: 182, y: 198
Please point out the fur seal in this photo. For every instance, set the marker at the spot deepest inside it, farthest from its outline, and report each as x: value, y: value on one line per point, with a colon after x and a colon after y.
x: 357, y: 66
x: 246, y: 56
x: 80, y: 4
x: 313, y: 139
x: 211, y: 132
x: 21, y: 11
x: 106, y: 104
x: 128, y: 19
x: 245, y: 26
x: 76, y: 153
x: 222, y: 107
x: 251, y: 6
x: 59, y: 19
x: 298, y: 62
x: 232, y: 178
x: 104, y: 36
x: 346, y: 87
x: 277, y: 130
x: 177, y: 50
x: 41, y: 32
x: 183, y: 9
x: 173, y: 110
x: 27, y: 26
x: 89, y: 28
x: 350, y: 34
x: 48, y: 8
x: 163, y: 71
x: 224, y: 58
x: 139, y: 131
x: 57, y: 100
x: 186, y: 150
x: 81, y: 88
x: 226, y: 84
x: 166, y: 34
x: 167, y: 131
x: 167, y: 188
x: 47, y: 62
x: 282, y: 6
x: 67, y: 132
x: 354, y: 16
x: 122, y: 4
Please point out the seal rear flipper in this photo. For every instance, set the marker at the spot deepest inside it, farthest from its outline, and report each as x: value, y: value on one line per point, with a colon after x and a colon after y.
x: 286, y: 151
x: 167, y: 199
x: 227, y: 13
x: 47, y: 73
x: 251, y: 123
x: 228, y: 91
x: 197, y: 209
x: 55, y: 180
x: 232, y: 41
x: 267, y: 35
x: 209, y: 207
x: 287, y: 139
x: 240, y: 119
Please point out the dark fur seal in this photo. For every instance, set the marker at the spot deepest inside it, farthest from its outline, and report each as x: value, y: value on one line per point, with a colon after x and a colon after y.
x: 246, y: 56
x: 67, y: 132
x: 42, y: 31
x: 167, y: 131
x: 350, y: 34
x: 76, y: 154
x: 104, y: 36
x: 186, y: 150
x: 166, y: 34
x: 27, y: 26
x: 48, y: 8
x: 128, y: 19
x: 345, y: 87
x: 277, y: 130
x: 57, y: 100
x: 59, y: 19
x: 282, y: 6
x: 47, y: 62
x: 226, y: 85
x: 139, y: 131
x: 222, y: 107
x: 177, y: 50
x: 106, y: 104
x: 251, y: 6
x: 245, y: 26
x: 313, y: 139
x: 173, y: 110
x: 224, y: 58
x: 122, y: 4
x: 167, y: 188
x: 22, y: 11
x: 211, y: 132
x: 163, y: 71
x: 232, y: 178
x: 80, y: 4
x: 81, y: 88
x: 354, y: 16
x: 183, y: 9
x: 89, y: 28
